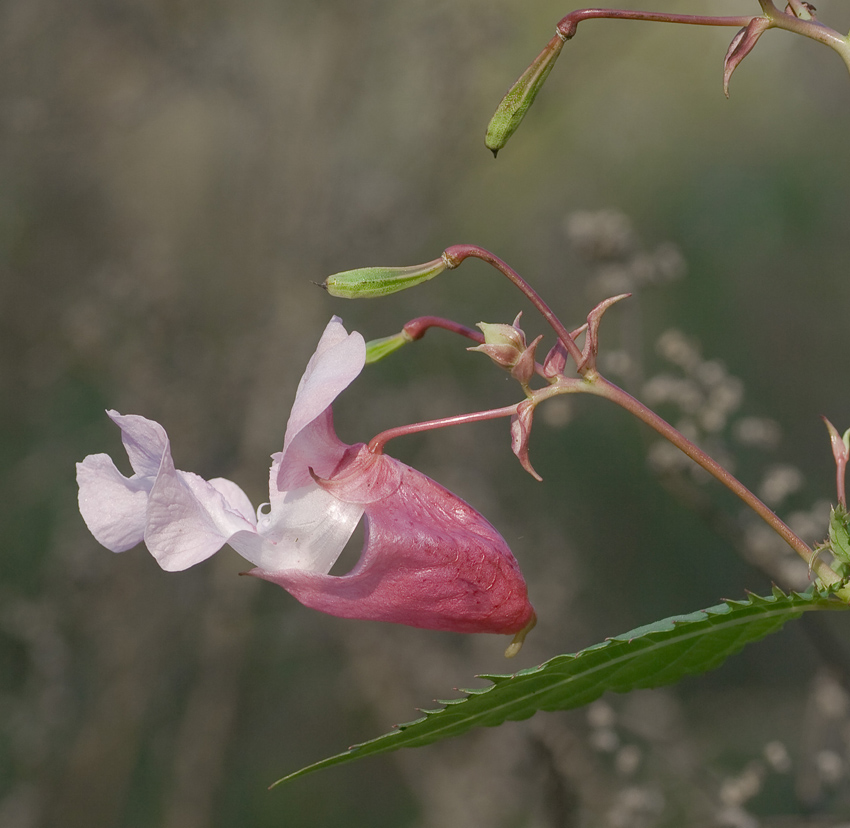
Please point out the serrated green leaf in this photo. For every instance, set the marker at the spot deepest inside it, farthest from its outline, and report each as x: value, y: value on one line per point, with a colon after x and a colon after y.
x: 649, y: 656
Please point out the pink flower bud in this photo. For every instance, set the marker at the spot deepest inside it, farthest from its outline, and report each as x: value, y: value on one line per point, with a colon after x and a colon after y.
x: 506, y: 346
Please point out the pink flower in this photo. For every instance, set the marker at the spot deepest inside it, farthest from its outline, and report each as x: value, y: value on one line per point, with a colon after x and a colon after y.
x: 429, y: 560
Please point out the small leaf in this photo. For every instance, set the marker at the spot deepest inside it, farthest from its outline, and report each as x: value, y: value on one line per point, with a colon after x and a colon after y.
x: 651, y: 656
x: 521, y: 95
x: 839, y: 534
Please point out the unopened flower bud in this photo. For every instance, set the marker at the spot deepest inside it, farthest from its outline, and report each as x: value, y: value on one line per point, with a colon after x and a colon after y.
x: 841, y: 453
x: 840, y: 444
x: 371, y: 282
x: 504, y: 344
x: 521, y: 95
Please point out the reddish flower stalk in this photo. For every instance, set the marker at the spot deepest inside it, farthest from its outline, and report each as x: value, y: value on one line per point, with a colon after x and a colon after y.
x: 593, y: 383
x: 377, y: 443
x: 603, y: 388
x: 789, y: 21
x: 567, y: 26
x: 417, y: 328
x: 455, y: 254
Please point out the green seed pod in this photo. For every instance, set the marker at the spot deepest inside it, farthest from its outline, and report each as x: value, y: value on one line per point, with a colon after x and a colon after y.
x: 371, y: 282
x: 521, y: 95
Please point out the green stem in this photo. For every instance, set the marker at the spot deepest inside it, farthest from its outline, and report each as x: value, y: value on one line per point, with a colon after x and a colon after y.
x: 813, y: 29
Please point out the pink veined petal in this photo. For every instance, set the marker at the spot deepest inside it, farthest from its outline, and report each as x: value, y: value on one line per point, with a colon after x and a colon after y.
x: 316, y: 447
x: 144, y: 440
x: 429, y: 560
x: 338, y: 359
x: 113, y: 506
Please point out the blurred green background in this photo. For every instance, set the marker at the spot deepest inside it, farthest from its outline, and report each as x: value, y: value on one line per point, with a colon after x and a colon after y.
x: 175, y: 177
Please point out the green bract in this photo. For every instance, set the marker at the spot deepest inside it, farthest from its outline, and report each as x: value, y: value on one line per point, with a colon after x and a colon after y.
x: 377, y: 349
x: 371, y: 282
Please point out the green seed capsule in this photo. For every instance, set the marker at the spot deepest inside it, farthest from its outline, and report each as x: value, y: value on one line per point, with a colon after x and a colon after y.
x: 371, y: 282
x: 521, y: 95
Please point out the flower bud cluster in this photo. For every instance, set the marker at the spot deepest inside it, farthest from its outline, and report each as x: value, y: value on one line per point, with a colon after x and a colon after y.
x: 506, y: 346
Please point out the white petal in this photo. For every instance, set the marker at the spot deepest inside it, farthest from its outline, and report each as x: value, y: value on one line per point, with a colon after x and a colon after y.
x: 235, y: 498
x: 307, y: 529
x: 113, y: 506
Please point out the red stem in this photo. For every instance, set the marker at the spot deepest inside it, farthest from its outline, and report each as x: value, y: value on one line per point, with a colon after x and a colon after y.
x: 455, y: 254
x: 609, y: 391
x: 568, y: 25
x: 813, y: 29
x: 377, y: 443
x: 418, y: 327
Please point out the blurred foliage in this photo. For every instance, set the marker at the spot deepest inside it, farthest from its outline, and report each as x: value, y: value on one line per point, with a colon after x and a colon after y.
x: 175, y: 176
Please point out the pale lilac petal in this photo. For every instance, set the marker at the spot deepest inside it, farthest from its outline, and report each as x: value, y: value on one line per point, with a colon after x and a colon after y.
x: 338, y: 359
x: 113, y: 506
x: 429, y: 560
x: 235, y: 498
x: 188, y: 519
x: 144, y: 440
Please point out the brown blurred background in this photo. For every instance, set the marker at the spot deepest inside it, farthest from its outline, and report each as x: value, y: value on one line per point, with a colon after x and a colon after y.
x: 175, y: 176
